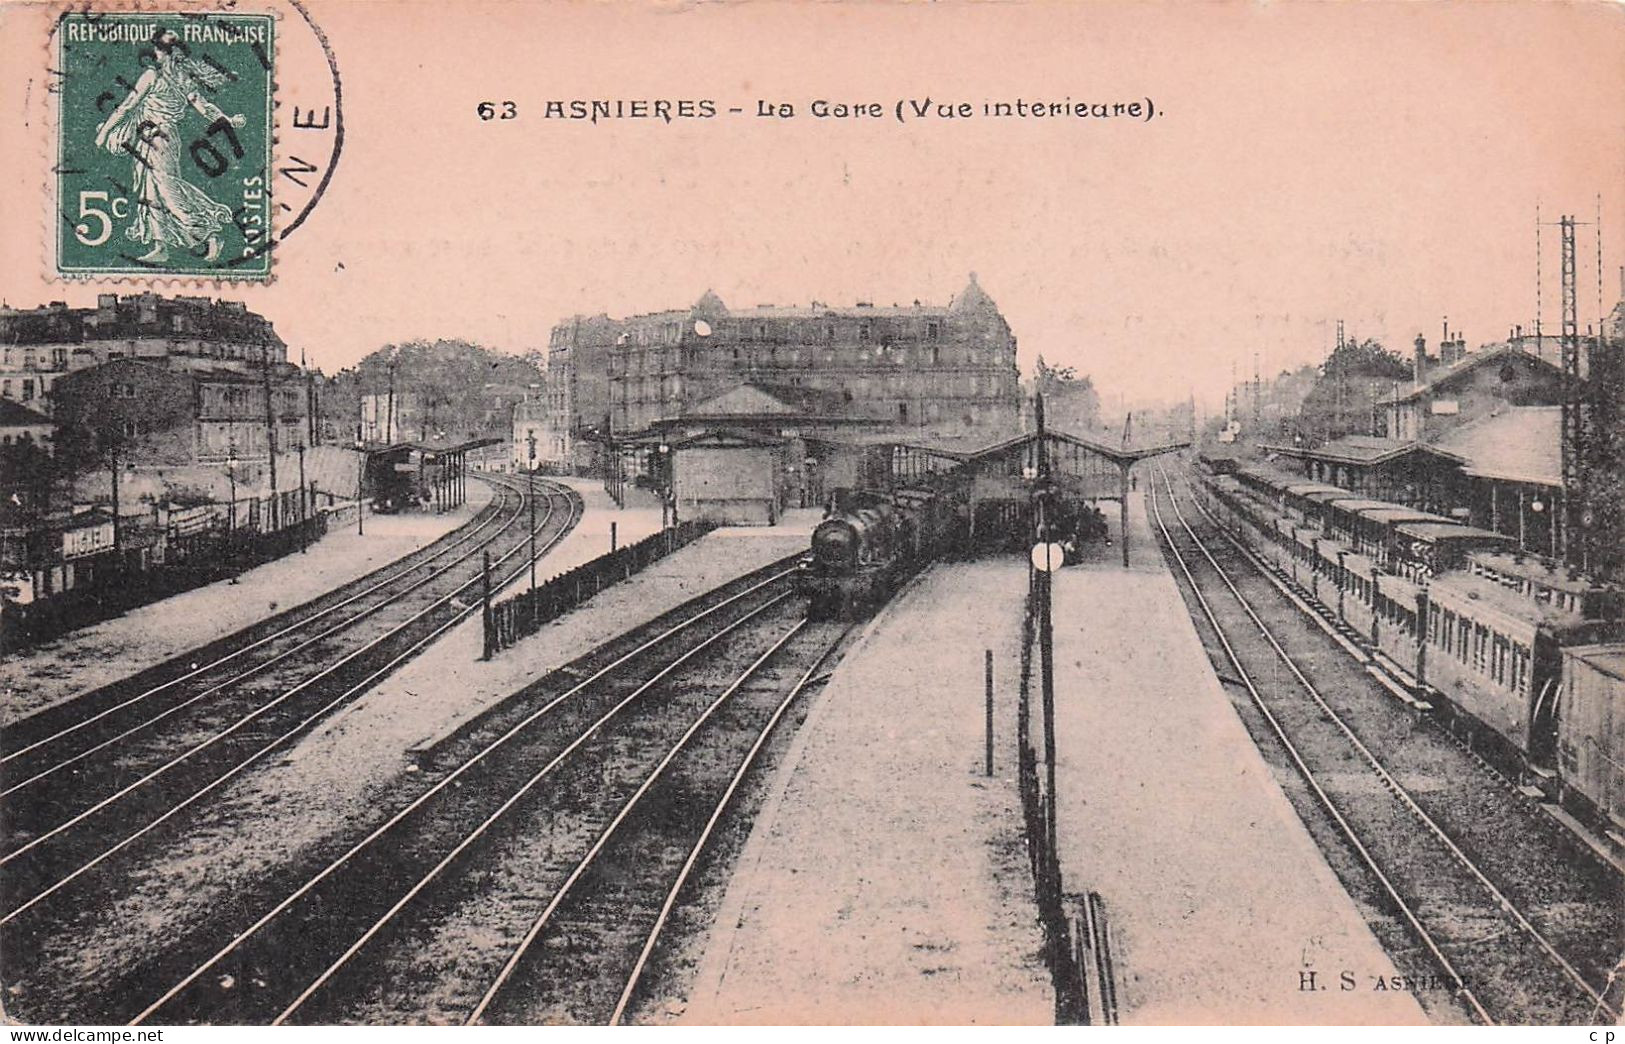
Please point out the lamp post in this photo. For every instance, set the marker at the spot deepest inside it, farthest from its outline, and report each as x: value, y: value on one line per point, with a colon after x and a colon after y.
x: 530, y: 495
x: 668, y: 507
x: 360, y: 484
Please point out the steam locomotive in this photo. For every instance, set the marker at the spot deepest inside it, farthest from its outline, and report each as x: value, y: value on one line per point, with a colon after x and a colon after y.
x: 869, y: 544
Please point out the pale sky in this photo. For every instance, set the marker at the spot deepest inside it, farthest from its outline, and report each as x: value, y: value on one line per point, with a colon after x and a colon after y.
x: 1380, y: 163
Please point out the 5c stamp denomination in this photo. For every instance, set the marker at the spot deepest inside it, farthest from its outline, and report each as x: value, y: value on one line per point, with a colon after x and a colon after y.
x: 164, y: 142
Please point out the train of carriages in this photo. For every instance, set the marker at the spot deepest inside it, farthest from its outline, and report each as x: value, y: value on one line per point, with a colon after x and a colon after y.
x: 1523, y: 655
x: 870, y: 542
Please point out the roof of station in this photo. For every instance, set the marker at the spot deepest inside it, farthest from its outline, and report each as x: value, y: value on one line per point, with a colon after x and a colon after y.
x: 433, y: 446
x: 1364, y: 450
x: 1519, y: 444
x: 1444, y: 375
x: 1116, y: 454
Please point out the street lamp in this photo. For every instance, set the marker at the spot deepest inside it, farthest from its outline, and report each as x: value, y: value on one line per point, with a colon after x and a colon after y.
x: 360, y: 482
x: 667, y: 506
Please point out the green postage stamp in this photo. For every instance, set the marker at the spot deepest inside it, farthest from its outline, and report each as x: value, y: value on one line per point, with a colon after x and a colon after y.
x: 164, y: 142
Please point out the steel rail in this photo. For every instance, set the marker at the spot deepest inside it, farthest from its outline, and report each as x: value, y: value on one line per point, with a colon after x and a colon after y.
x: 463, y: 534
x: 1392, y: 784
x: 1423, y: 935
x: 462, y: 614
x: 257, y: 711
x: 695, y: 852
x: 449, y: 780
x: 278, y: 658
x: 632, y: 802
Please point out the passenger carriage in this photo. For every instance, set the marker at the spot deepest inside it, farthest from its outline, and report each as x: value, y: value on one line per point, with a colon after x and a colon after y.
x: 1504, y: 643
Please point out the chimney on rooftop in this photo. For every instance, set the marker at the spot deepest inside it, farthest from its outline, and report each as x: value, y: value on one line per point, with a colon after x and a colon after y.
x: 1421, y: 356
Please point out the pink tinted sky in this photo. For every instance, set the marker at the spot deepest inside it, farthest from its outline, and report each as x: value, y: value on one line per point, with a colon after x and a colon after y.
x: 1380, y: 163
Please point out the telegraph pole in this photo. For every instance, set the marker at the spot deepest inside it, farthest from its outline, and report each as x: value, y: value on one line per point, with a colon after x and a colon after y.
x: 389, y: 418
x: 530, y: 494
x: 112, y: 449
x: 270, y: 436
x: 304, y: 501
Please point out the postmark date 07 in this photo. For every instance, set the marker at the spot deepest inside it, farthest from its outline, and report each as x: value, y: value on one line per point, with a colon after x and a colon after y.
x: 500, y: 110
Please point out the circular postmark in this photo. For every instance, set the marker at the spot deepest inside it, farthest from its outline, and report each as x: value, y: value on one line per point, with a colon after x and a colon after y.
x: 189, y: 141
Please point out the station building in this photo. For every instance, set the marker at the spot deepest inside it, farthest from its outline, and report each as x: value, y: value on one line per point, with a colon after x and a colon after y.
x: 1471, y: 388
x: 928, y: 369
x: 1478, y: 440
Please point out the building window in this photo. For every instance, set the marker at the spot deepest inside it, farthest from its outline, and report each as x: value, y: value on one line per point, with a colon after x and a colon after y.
x: 28, y: 389
x: 902, y: 411
x: 931, y: 331
x: 129, y: 429
x: 863, y: 332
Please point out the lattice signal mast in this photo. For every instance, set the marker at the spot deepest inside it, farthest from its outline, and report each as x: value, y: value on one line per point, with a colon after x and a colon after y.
x: 1574, y: 454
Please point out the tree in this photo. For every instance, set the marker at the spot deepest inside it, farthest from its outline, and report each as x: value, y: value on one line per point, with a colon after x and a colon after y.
x: 1345, y: 397
x: 445, y: 387
x: 1071, y: 403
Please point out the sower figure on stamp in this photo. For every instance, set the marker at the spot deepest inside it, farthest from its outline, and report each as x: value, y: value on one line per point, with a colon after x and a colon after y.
x: 168, y: 210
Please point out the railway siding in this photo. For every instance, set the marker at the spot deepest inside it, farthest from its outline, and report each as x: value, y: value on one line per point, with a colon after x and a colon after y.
x: 1493, y: 858
x: 197, y: 785
x: 346, y: 773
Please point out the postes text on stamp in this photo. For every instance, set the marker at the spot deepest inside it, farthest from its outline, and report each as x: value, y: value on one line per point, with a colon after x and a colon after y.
x: 164, y: 141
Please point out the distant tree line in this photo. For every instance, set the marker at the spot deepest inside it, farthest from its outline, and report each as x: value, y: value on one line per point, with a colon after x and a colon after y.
x: 446, y: 387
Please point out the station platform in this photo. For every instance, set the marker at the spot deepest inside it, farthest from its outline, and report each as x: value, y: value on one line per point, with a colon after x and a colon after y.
x: 885, y: 878
x: 46, y: 674
x: 1216, y: 896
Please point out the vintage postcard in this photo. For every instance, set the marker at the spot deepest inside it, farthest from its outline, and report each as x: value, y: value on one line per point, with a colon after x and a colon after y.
x: 532, y: 512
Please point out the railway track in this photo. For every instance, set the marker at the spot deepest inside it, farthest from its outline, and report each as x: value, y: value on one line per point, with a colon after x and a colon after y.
x: 84, y: 788
x: 1509, y: 919
x: 528, y: 872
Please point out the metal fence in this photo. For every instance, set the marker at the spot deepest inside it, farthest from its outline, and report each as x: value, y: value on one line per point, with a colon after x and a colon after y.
x: 521, y: 616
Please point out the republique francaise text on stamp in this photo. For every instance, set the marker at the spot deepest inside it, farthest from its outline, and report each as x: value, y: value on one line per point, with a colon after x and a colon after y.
x: 164, y: 144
